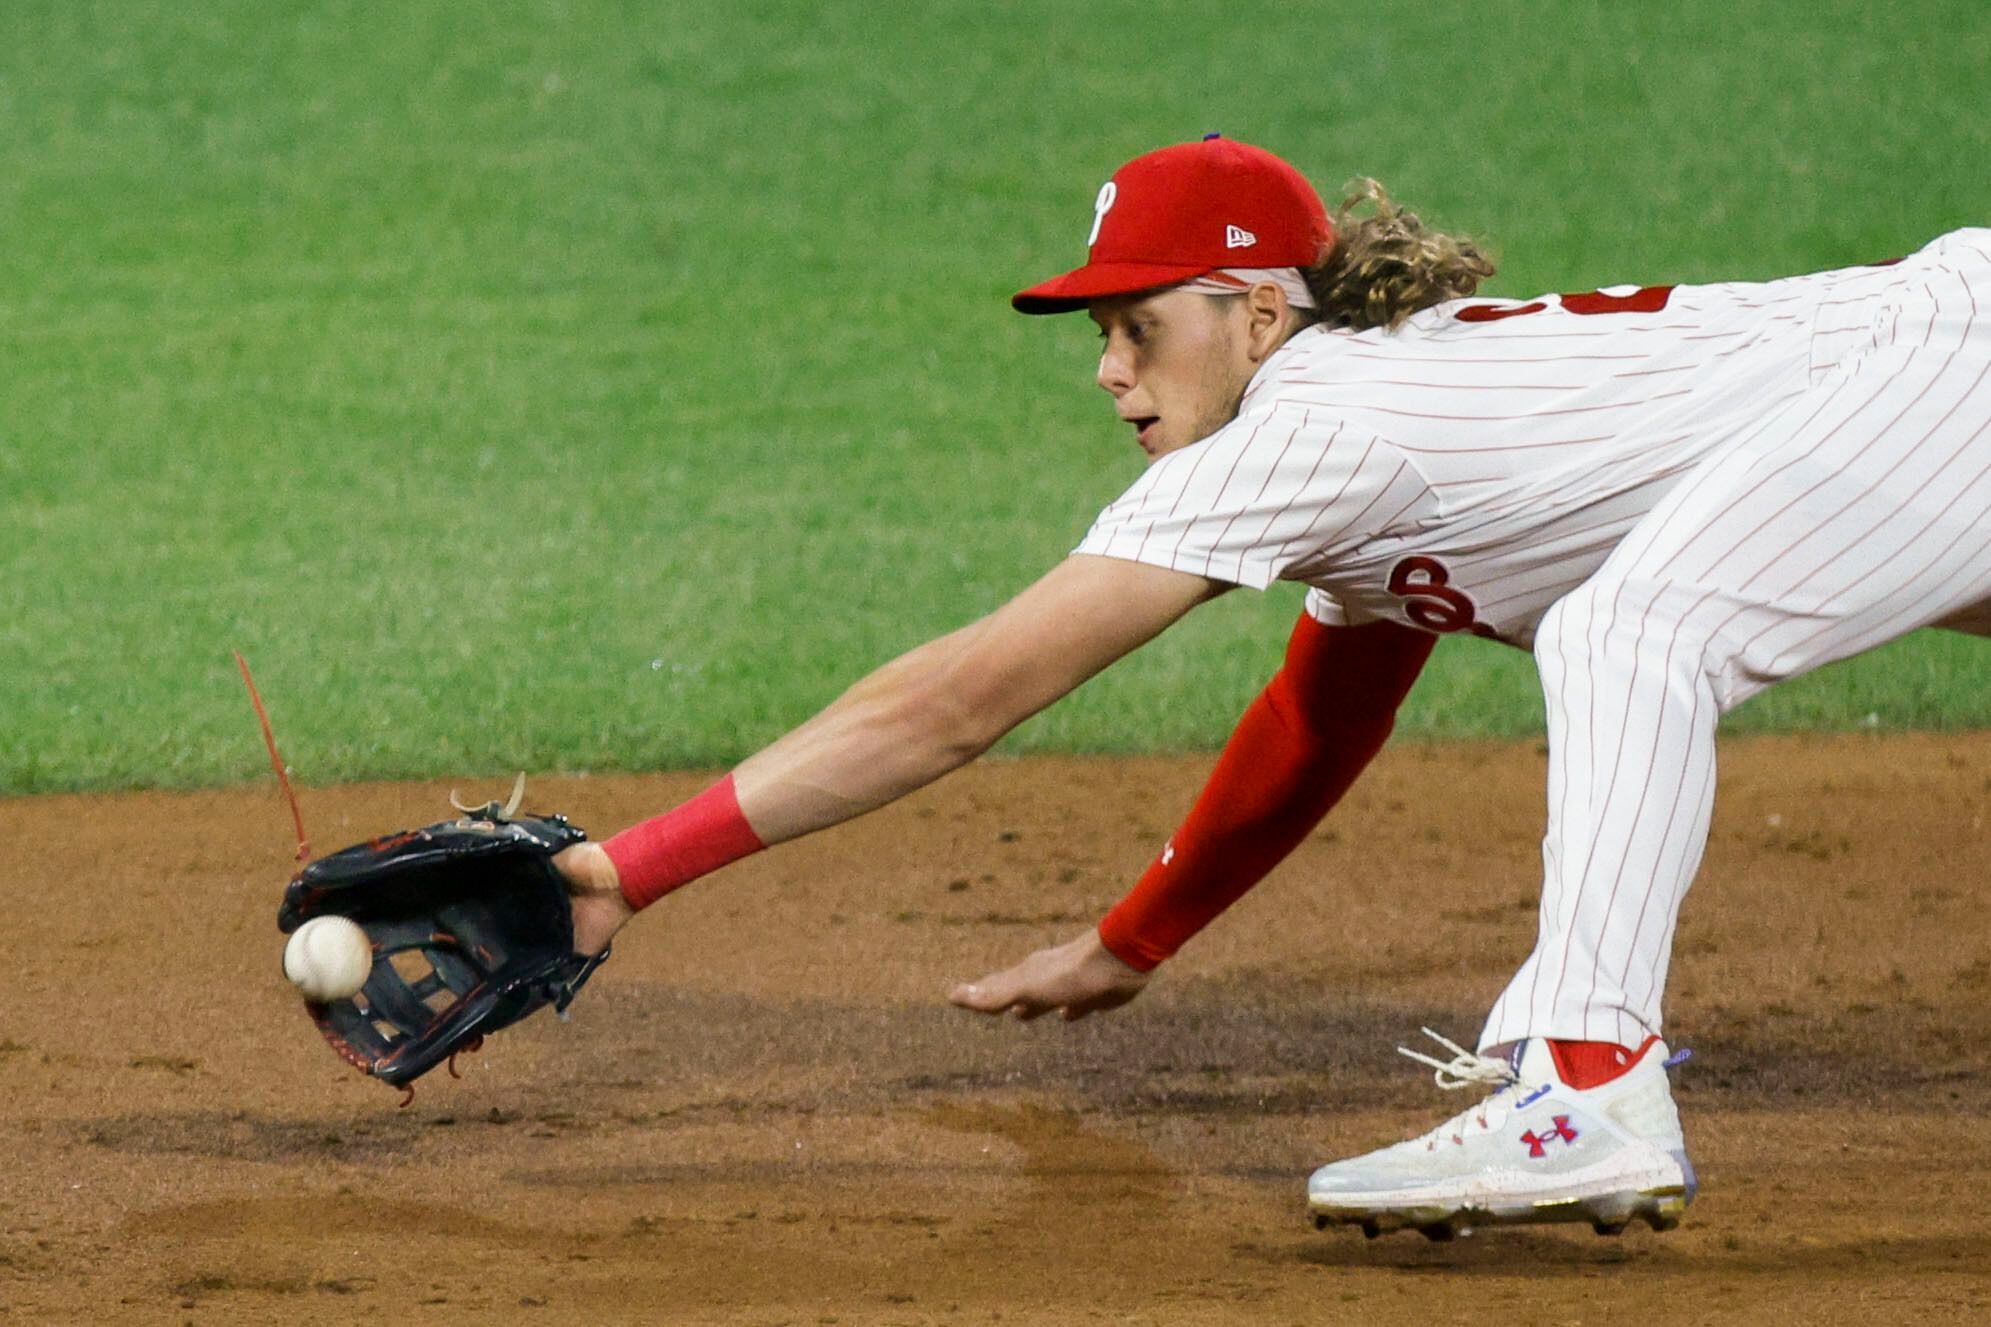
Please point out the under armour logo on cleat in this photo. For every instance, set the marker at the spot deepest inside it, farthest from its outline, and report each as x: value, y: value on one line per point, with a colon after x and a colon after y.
x: 1538, y: 1143
x: 1168, y: 852
x: 1237, y: 237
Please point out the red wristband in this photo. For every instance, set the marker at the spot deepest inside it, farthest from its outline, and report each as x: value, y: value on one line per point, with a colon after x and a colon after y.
x: 677, y: 847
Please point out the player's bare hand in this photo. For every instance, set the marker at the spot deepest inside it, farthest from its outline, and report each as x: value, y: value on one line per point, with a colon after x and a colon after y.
x: 596, y: 893
x: 1077, y: 978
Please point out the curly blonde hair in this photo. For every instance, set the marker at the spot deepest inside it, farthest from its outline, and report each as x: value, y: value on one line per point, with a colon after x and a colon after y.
x: 1385, y: 265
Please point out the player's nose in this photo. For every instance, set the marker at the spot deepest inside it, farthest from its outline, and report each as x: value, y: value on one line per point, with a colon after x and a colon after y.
x: 1116, y: 372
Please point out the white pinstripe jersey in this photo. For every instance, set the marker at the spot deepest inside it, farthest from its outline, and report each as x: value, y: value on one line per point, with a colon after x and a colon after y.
x: 1470, y: 468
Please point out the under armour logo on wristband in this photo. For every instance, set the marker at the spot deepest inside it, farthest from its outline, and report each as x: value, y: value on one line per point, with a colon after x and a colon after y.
x: 1168, y: 852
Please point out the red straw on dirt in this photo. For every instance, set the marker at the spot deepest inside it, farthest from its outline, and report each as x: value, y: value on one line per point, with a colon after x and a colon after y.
x: 276, y: 761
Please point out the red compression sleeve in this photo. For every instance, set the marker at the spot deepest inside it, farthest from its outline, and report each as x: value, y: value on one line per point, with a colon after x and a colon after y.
x: 677, y: 847
x: 1294, y: 753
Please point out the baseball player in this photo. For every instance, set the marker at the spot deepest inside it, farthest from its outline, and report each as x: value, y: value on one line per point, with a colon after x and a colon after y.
x: 1673, y: 495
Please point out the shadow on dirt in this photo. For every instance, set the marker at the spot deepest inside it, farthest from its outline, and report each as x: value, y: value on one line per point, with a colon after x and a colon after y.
x: 1251, y: 1045
x: 1526, y: 1253
x: 644, y: 1058
x: 242, y: 1136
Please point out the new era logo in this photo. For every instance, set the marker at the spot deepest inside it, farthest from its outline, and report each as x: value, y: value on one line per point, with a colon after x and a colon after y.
x: 1237, y: 237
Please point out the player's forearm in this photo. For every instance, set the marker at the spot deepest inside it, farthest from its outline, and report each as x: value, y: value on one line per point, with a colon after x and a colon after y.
x: 895, y: 731
x: 1265, y: 796
x: 938, y: 707
x: 890, y: 735
x: 882, y: 739
x: 1298, y: 749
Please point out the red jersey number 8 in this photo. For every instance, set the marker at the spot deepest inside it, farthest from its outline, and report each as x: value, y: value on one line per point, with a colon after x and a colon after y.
x: 1429, y: 598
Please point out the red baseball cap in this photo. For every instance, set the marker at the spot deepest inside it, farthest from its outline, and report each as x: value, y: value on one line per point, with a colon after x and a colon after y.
x: 1181, y: 211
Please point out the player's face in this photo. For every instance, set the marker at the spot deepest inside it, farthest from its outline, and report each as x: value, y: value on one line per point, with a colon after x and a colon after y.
x: 1175, y: 362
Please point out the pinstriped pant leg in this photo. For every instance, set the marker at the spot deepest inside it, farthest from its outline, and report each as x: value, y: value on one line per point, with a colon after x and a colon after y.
x: 1862, y: 514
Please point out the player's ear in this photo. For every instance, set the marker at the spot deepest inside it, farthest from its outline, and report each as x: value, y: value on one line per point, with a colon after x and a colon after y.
x: 1268, y: 319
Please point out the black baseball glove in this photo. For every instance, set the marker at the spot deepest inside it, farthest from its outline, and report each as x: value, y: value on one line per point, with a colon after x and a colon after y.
x: 471, y: 930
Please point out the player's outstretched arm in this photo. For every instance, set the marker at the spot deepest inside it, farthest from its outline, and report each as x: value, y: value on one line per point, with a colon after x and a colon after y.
x: 1297, y: 749
x: 935, y: 709
x: 919, y: 717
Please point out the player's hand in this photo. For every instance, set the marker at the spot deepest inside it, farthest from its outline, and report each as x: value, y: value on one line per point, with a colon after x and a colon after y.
x: 596, y: 893
x: 1077, y: 978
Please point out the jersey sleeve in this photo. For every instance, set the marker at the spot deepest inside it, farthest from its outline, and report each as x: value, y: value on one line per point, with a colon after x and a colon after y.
x: 1297, y: 749
x: 1268, y: 495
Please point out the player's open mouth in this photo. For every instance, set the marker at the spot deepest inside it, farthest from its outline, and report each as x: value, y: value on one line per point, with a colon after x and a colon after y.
x: 1142, y: 428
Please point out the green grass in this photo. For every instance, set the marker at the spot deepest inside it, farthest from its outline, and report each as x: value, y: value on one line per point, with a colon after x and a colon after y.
x: 595, y: 385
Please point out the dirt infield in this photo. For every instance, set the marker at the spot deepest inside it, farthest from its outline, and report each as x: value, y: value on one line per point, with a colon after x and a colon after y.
x: 763, y: 1112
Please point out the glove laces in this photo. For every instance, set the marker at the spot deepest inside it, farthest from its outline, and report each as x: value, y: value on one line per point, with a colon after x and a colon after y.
x: 504, y: 810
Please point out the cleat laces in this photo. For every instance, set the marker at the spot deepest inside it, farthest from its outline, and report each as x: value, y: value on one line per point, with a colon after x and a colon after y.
x: 1465, y: 1069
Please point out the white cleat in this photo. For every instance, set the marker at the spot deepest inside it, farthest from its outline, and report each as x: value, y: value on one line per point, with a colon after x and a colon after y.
x: 1536, y: 1150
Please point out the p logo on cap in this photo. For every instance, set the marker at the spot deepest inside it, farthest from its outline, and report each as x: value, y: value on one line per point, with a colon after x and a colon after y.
x: 1100, y: 207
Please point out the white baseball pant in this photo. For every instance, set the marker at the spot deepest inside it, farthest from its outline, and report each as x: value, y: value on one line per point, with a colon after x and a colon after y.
x: 1857, y: 512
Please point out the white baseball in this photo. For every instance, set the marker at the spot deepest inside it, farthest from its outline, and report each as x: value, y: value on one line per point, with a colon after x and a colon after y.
x: 328, y: 958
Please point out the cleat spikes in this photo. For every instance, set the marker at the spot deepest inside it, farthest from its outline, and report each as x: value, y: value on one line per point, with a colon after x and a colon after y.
x: 1608, y: 1216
